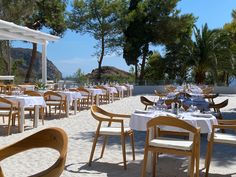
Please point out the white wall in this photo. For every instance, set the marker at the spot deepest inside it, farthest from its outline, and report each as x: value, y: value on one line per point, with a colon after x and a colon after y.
x: 139, y: 90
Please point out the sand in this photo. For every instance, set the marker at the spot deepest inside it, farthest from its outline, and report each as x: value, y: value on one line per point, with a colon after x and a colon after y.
x: 80, y: 130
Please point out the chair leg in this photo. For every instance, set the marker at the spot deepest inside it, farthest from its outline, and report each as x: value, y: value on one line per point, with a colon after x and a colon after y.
x: 104, y: 145
x: 93, y: 149
x: 42, y: 114
x: 154, y: 158
x: 19, y: 123
x: 49, y: 110
x: 197, y: 160
x: 132, y: 144
x: 192, y: 166
x: 123, y: 150
x: 208, y: 157
x: 9, y: 126
x: 144, y: 162
x: 157, y: 156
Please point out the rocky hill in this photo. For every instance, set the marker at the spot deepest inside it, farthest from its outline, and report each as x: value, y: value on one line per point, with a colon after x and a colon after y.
x: 22, y: 57
x: 110, y: 73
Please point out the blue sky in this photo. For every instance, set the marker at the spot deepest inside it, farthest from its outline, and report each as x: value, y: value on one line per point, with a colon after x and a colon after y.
x: 75, y: 51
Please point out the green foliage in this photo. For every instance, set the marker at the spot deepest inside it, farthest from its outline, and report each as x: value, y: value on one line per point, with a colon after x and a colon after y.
x: 211, y: 51
x: 48, y: 14
x: 102, y: 20
x: 117, y: 78
x: 153, y: 22
x: 40, y: 86
x: 11, y: 10
x: 79, y: 76
x: 155, y: 68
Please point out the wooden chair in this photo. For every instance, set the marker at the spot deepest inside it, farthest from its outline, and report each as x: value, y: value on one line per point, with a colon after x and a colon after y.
x: 223, y: 138
x: 2, y: 88
x: 160, y: 94
x: 170, y: 88
x: 55, y: 99
x: 208, y: 90
x: 156, y: 144
x: 32, y: 109
x: 217, y: 108
x: 211, y: 97
x: 105, y: 94
x: 10, y: 109
x: 85, y: 100
x: 54, y: 138
x: 146, y: 102
x: 103, y: 116
x: 168, y: 102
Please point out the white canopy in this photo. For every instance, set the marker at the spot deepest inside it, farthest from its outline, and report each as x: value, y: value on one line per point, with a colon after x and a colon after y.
x: 11, y: 31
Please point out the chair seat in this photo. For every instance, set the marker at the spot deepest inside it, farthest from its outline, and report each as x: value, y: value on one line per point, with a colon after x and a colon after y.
x: 53, y: 102
x: 172, y: 143
x: 112, y: 130
x: 224, y: 138
x: 4, y: 112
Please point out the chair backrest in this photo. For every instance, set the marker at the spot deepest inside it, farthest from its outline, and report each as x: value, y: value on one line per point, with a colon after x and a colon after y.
x: 6, y: 104
x: 207, y: 90
x: 211, y: 96
x: 83, y: 91
x: 160, y: 94
x: 54, y: 138
x: 218, y: 106
x: 172, y: 122
x: 170, y: 88
x: 32, y: 93
x: 50, y: 95
x: 168, y: 102
x: 100, y: 114
x: 146, y: 101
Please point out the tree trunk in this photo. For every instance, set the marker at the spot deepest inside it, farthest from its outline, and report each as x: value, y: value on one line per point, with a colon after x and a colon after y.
x: 31, y: 63
x: 145, y: 53
x: 227, y: 79
x: 5, y: 55
x: 136, y: 72
x: 101, y: 59
x: 199, y: 77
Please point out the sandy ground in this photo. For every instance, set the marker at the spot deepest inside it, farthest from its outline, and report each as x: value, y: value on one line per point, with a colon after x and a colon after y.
x: 80, y: 130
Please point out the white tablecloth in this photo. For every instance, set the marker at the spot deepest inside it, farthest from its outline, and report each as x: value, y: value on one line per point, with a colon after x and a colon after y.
x: 28, y: 101
x: 70, y: 95
x: 111, y: 89
x: 139, y: 120
x: 28, y: 87
x: 95, y: 91
x: 121, y: 88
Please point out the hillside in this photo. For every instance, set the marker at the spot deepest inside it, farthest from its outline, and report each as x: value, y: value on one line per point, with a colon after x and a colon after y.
x: 110, y: 73
x: 23, y: 57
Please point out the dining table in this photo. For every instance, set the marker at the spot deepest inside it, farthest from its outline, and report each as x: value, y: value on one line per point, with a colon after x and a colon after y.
x: 139, y: 119
x: 111, y: 91
x: 70, y: 97
x: 121, y: 89
x: 95, y: 93
x: 26, y: 101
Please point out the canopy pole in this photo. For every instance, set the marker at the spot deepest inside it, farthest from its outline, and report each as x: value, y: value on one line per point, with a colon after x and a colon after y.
x: 44, y: 62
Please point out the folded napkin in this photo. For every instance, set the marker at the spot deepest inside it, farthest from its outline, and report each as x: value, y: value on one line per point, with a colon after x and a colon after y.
x: 142, y: 111
x: 201, y: 115
x: 167, y: 114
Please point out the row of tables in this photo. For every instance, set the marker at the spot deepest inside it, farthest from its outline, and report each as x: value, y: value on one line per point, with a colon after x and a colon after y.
x: 26, y: 101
